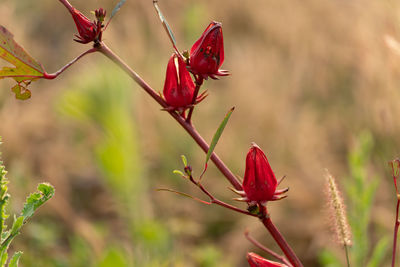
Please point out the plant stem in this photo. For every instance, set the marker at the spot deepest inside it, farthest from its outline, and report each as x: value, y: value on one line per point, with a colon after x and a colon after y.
x: 204, y: 146
x: 199, y: 82
x: 395, y: 232
x: 346, y: 249
x: 280, y: 240
x: 54, y: 75
x: 187, y: 126
x: 67, y: 5
x: 263, y: 248
x: 219, y: 202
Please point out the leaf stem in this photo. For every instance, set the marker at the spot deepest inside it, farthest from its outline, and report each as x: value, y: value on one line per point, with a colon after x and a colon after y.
x: 54, y: 75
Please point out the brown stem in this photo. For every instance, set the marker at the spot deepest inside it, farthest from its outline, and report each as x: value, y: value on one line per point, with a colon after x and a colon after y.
x: 204, y: 146
x: 395, y: 232
x: 269, y: 251
x: 54, y: 75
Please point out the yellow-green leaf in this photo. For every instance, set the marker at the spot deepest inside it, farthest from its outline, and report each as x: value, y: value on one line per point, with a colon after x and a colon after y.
x: 26, y: 68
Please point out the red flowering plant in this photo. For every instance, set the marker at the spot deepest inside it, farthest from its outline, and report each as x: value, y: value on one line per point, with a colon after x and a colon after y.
x: 181, y: 92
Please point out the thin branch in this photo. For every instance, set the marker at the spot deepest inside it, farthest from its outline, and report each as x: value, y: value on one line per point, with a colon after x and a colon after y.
x: 263, y: 248
x: 54, y: 75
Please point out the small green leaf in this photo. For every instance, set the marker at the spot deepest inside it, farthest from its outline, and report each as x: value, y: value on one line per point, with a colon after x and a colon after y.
x: 17, y: 224
x: 117, y: 8
x: 178, y: 172
x: 35, y: 200
x: 184, y: 160
x: 216, y: 137
x: 165, y: 24
x: 15, y: 258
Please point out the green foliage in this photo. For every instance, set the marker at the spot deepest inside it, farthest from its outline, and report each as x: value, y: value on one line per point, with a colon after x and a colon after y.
x: 33, y: 202
x: 360, y: 192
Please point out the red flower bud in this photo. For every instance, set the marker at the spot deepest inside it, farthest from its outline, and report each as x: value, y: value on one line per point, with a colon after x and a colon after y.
x: 259, y: 182
x: 258, y: 261
x: 88, y: 30
x: 207, y: 53
x: 178, y: 86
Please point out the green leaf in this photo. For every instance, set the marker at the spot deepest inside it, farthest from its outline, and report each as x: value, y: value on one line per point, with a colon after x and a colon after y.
x: 216, y: 137
x: 15, y: 258
x: 184, y: 160
x: 35, y: 200
x: 379, y: 253
x: 17, y: 224
x: 178, y: 172
x: 4, y: 257
x: 117, y: 8
x: 165, y: 24
x: 26, y: 68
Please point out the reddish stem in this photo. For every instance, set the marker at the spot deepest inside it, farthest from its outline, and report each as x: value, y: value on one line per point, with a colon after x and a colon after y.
x: 263, y: 248
x: 67, y: 5
x: 204, y: 146
x: 294, y: 260
x: 54, y: 75
x: 199, y: 82
x: 396, y: 230
x: 187, y: 126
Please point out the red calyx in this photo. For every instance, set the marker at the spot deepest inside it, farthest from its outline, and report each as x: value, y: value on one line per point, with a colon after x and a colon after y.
x: 88, y: 30
x: 207, y: 53
x: 258, y: 261
x: 259, y: 182
x: 178, y: 87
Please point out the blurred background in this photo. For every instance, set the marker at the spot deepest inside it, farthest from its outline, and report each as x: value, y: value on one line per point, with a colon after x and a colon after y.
x: 313, y: 83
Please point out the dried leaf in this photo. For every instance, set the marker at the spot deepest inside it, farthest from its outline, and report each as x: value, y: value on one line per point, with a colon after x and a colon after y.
x: 26, y: 68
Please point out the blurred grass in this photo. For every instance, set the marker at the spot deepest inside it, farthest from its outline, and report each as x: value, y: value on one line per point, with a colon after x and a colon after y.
x: 306, y: 76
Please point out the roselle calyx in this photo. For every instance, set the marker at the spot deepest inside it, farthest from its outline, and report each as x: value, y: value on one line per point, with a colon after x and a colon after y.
x: 207, y: 53
x: 259, y: 183
x: 88, y: 31
x: 258, y: 261
x: 178, y: 87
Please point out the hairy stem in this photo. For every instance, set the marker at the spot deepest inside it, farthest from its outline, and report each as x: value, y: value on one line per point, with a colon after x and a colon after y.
x: 55, y: 74
x: 187, y: 126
